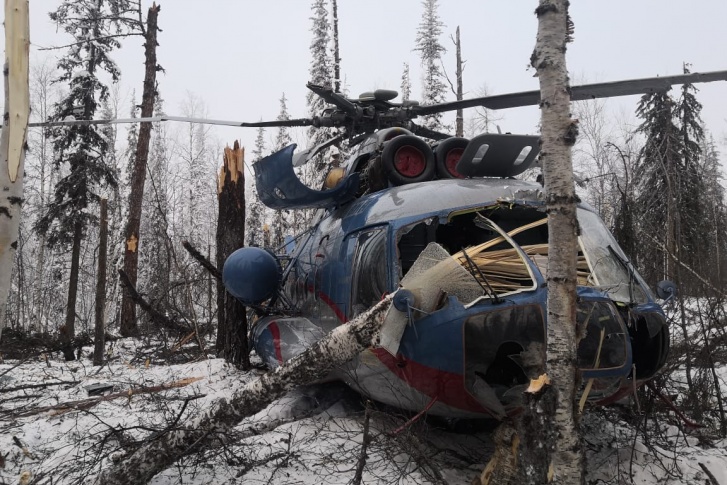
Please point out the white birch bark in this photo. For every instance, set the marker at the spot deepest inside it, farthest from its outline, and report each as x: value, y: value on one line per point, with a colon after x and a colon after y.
x: 337, y: 348
x: 12, y: 139
x: 558, y: 133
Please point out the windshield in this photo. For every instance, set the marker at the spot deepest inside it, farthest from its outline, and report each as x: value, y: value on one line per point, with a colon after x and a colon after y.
x: 611, y: 271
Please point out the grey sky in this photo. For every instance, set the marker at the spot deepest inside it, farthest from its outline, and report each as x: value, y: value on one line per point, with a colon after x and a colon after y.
x: 240, y: 56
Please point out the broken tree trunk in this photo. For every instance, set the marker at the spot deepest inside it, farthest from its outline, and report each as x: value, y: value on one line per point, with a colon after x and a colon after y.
x: 12, y: 139
x: 129, y: 327
x: 231, y: 320
x: 562, y: 462
x: 100, y: 328
x: 335, y: 349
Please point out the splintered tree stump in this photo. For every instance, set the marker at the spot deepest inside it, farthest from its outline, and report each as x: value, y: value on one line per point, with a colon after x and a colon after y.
x: 231, y: 320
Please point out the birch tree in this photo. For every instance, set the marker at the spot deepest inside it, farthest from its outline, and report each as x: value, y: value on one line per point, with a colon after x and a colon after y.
x: 335, y: 349
x: 12, y: 138
x: 555, y: 410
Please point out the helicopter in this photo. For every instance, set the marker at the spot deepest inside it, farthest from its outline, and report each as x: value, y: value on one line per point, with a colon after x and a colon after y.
x: 463, y: 243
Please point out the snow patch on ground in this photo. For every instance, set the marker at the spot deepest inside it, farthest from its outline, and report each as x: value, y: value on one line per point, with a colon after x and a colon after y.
x: 313, y: 435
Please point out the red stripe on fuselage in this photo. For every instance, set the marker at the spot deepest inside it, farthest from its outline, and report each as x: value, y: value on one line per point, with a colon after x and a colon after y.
x: 331, y: 304
x: 448, y: 387
x: 275, y: 331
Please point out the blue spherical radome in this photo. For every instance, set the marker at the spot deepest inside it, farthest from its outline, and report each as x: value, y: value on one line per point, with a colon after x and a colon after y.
x: 252, y: 275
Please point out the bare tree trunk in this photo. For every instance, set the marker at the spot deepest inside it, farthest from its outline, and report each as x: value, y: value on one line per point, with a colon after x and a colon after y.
x: 231, y: 320
x: 68, y: 332
x: 98, y: 347
x: 459, y: 120
x: 337, y: 348
x: 558, y: 133
x: 12, y: 139
x: 131, y: 254
x: 336, y: 51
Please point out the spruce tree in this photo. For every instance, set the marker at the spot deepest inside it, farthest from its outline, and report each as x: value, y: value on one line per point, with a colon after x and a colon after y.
x: 715, y: 214
x: 657, y: 185
x: 694, y: 218
x: 281, y: 220
x: 405, y: 83
x: 81, y: 150
x: 255, y: 217
x: 430, y: 51
x: 320, y: 74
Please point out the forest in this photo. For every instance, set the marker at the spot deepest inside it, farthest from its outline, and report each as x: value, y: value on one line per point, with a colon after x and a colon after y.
x: 124, y: 359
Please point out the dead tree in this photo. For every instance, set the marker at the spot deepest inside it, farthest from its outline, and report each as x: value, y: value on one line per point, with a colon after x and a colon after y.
x: 131, y: 255
x: 459, y: 121
x: 12, y: 139
x: 100, y: 330
x: 335, y: 349
x: 231, y: 320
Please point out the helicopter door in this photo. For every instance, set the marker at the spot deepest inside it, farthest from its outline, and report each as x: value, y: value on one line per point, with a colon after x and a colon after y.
x: 369, y: 271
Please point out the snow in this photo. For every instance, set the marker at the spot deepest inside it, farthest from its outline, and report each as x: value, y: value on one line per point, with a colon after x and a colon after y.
x: 312, y: 435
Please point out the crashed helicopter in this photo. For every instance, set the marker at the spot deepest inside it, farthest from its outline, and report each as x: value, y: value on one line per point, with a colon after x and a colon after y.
x: 465, y: 243
x: 462, y: 242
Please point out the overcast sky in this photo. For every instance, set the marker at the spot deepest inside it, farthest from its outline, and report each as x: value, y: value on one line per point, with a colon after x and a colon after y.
x: 239, y: 56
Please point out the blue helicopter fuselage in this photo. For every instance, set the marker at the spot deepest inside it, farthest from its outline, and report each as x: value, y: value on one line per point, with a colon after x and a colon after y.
x: 462, y: 358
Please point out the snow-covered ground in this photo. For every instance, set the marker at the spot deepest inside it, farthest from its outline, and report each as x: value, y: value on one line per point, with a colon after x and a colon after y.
x: 313, y: 435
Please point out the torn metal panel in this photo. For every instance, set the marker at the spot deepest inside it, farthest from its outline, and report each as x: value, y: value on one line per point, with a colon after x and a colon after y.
x: 280, y: 188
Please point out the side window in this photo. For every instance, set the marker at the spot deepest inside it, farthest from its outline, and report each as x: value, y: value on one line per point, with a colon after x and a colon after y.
x: 369, y: 272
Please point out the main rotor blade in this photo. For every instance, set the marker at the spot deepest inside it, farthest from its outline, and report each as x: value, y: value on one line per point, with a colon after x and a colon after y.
x: 334, y: 98
x: 155, y: 119
x: 578, y: 93
x: 424, y: 131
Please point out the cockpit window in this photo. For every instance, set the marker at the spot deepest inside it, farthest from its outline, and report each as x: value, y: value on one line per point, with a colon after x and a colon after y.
x: 611, y: 272
x: 499, y: 266
x: 369, y: 280
x: 473, y: 242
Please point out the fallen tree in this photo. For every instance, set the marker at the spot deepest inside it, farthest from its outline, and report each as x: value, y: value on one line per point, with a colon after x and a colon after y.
x: 337, y: 348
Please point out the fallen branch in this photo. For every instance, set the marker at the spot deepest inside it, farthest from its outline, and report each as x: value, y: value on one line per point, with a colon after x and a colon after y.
x: 36, y: 386
x: 199, y: 257
x: 713, y: 480
x: 365, y: 441
x: 673, y: 407
x: 335, y: 349
x: 155, y: 315
x: 89, y: 403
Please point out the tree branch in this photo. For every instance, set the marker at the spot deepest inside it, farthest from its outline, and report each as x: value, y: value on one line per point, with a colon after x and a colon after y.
x: 206, y: 263
x: 156, y: 315
x: 54, y: 48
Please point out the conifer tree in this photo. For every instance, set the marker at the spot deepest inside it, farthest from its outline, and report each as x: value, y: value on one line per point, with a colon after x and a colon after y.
x: 694, y: 219
x: 657, y: 178
x: 405, y: 83
x: 255, y: 217
x: 83, y: 149
x: 281, y: 220
x: 715, y: 215
x: 430, y: 51
x: 320, y: 74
